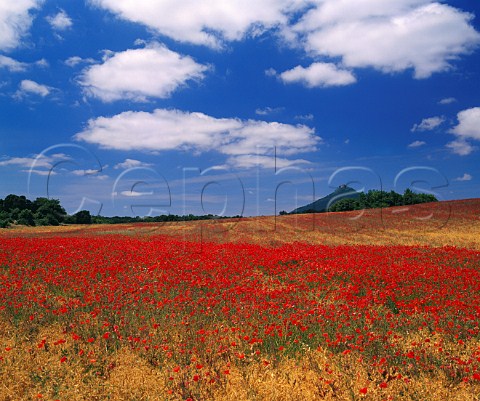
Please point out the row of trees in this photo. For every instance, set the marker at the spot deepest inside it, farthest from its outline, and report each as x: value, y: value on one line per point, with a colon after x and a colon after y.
x: 380, y: 199
x: 19, y: 210
x: 16, y: 209
x: 156, y: 219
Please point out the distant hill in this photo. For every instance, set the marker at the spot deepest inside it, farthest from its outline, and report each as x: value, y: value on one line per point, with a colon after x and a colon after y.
x: 322, y: 204
x: 345, y: 199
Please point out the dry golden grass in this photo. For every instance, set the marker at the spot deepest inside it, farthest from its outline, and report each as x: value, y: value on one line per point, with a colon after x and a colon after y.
x: 33, y: 373
x: 453, y: 223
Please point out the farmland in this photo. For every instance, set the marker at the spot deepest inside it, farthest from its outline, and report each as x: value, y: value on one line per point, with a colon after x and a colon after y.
x: 382, y: 305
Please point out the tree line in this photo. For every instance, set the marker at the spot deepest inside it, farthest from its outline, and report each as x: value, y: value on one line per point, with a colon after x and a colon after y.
x: 380, y: 199
x: 18, y: 210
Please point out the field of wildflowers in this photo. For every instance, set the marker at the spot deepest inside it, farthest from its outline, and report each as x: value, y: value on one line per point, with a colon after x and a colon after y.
x: 140, y: 315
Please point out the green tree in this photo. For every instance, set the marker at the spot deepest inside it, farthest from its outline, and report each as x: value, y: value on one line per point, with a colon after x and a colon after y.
x: 344, y: 205
x: 12, y: 202
x: 48, y: 212
x: 15, y: 214
x: 26, y: 218
x: 5, y: 219
x: 83, y: 217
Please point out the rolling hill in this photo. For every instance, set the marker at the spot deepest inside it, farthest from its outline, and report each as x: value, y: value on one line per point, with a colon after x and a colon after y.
x: 322, y: 204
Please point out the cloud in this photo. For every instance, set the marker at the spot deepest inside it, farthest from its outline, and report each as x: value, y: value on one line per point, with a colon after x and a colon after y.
x: 139, y: 74
x: 271, y: 72
x: 205, y: 22
x: 394, y: 36
x: 460, y: 147
x: 131, y: 163
x: 28, y: 87
x: 93, y: 173
x: 465, y: 177
x: 43, y: 173
x: 22, y: 162
x: 318, y: 75
x: 468, y: 128
x: 428, y: 124
x: 12, y: 65
x: 416, y: 144
x: 76, y: 60
x: 468, y: 124
x: 305, y: 117
x: 250, y: 161
x: 164, y: 130
x: 15, y: 21
x: 269, y: 110
x: 85, y: 172
x: 43, y: 164
x: 42, y: 63
x: 447, y: 100
x: 135, y: 193
x: 61, y: 21
x: 390, y: 36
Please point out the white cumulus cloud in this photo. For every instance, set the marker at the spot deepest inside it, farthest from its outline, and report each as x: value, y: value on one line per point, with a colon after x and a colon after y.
x: 76, y: 60
x: 428, y: 124
x: 11, y: 64
x: 37, y: 164
x: 447, y: 100
x: 390, y: 36
x: 425, y: 36
x: 468, y: 124
x: 467, y: 129
x: 464, y: 177
x: 131, y: 163
x: 15, y: 21
x: 60, y: 21
x: 319, y: 75
x: 29, y: 87
x: 461, y: 147
x: 164, y: 130
x: 205, y: 22
x: 139, y: 74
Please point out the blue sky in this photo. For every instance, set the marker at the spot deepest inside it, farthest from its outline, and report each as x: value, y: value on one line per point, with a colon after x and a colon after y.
x: 236, y: 107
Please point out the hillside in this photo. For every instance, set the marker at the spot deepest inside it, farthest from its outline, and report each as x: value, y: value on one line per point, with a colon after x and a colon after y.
x: 345, y: 199
x: 322, y: 204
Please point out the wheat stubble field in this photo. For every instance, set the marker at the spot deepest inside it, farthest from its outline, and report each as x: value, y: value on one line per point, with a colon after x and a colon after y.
x: 383, y: 305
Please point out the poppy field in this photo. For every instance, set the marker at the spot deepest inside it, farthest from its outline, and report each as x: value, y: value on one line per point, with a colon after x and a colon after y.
x: 126, y: 315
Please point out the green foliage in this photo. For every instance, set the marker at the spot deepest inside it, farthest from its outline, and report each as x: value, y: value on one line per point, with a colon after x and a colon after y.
x: 164, y: 218
x: 16, y: 209
x: 26, y: 218
x: 5, y: 219
x: 83, y: 217
x: 344, y: 205
x: 49, y: 212
x: 12, y: 202
x: 380, y: 199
